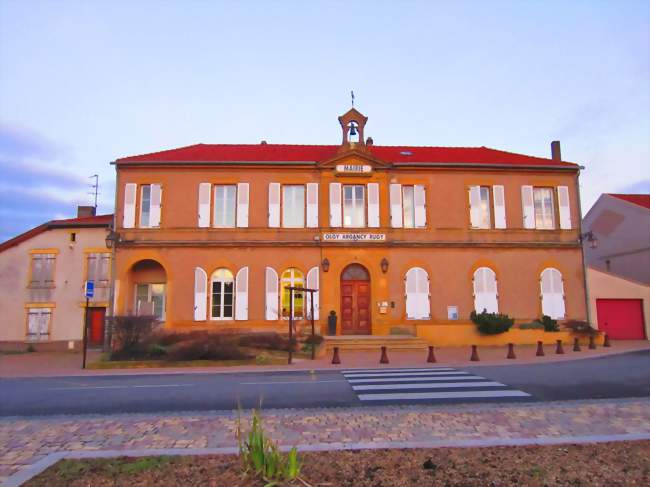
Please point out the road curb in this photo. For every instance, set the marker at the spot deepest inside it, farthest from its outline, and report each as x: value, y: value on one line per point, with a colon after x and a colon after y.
x: 30, y: 472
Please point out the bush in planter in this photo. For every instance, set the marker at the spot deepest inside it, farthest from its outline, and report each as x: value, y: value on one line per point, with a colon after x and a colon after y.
x: 549, y: 324
x: 533, y: 325
x: 206, y: 350
x: 578, y: 326
x: 491, y: 323
x: 131, y: 335
x: 267, y: 341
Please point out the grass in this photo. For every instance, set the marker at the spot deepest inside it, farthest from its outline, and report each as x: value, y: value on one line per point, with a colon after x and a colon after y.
x: 272, y: 358
x: 69, y: 470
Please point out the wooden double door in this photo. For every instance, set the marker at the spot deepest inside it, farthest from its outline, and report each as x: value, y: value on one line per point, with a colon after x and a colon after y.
x: 355, y: 301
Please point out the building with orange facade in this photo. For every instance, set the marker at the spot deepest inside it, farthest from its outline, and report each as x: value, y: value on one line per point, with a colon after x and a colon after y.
x: 395, y: 239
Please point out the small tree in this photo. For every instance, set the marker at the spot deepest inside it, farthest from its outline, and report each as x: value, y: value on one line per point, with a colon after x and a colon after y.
x: 131, y: 332
x: 549, y: 323
x: 491, y: 323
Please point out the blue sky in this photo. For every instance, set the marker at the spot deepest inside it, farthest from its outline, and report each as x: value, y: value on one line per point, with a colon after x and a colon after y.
x: 85, y: 82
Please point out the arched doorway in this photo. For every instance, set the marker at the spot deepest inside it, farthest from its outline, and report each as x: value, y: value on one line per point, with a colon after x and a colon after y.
x: 355, y: 300
x: 149, y: 281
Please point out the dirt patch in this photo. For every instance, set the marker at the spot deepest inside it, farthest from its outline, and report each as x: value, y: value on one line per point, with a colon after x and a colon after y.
x: 604, y: 464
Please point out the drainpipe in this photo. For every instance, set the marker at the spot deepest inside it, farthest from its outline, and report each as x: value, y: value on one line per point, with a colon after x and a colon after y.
x: 108, y: 328
x: 582, y: 248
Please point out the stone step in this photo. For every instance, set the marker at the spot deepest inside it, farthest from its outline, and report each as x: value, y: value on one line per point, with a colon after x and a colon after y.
x: 368, y: 343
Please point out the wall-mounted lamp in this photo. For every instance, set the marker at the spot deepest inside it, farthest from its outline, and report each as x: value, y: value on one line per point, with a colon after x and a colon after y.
x: 325, y: 264
x: 384, y: 265
x: 590, y: 238
x: 111, y: 239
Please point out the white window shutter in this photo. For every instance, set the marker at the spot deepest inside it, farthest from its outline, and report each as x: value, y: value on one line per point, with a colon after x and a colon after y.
x: 411, y: 290
x: 335, y: 205
x: 564, y: 206
x: 200, y: 294
x: 274, y: 205
x: 528, y: 206
x: 475, y: 206
x: 242, y: 205
x: 552, y: 290
x: 423, y: 291
x: 156, y: 201
x: 418, y: 304
x: 129, y: 205
x: 204, y: 204
x: 395, y: 205
x: 373, y: 205
x: 272, y: 296
x: 312, y: 283
x: 498, y: 194
x: 485, y: 291
x: 419, y: 196
x: 312, y: 205
x: 241, y: 294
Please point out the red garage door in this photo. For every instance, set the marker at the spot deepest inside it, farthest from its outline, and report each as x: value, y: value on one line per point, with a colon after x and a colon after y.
x: 621, y: 319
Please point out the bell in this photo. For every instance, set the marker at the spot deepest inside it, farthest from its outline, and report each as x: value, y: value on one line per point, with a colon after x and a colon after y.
x: 353, y: 129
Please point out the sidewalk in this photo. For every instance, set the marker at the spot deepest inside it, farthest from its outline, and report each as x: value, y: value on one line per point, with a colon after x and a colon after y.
x: 43, y: 364
x: 25, y: 441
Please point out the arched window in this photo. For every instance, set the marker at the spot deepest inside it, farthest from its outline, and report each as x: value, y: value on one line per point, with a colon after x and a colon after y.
x: 485, y: 290
x: 292, y: 278
x: 222, y: 295
x: 552, y: 289
x: 418, y: 306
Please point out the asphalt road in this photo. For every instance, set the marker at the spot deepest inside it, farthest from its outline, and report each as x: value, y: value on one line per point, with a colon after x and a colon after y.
x: 618, y: 376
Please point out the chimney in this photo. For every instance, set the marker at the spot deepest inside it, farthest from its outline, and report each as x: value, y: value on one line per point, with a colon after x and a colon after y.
x: 369, y: 141
x: 85, y: 211
x: 556, y: 153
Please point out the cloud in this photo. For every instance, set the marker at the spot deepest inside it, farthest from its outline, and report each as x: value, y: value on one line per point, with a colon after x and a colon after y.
x: 639, y: 187
x: 36, y: 185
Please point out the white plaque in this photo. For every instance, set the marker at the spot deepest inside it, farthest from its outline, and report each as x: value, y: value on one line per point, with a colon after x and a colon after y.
x: 353, y: 168
x: 354, y: 237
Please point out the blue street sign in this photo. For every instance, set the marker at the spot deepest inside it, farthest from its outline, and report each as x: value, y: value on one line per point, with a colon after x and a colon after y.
x: 90, y: 289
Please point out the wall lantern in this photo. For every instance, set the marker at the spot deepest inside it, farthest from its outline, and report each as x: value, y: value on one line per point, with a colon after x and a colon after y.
x: 590, y: 238
x: 111, y: 239
x: 325, y: 264
x: 384, y: 265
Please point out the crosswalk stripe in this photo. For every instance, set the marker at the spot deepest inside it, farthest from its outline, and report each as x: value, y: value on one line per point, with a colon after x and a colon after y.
x: 421, y: 369
x: 442, y: 395
x: 414, y: 379
x: 439, y: 385
x: 406, y: 374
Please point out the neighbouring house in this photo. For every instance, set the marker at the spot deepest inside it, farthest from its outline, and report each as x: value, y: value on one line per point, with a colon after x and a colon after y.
x: 393, y: 238
x: 42, y: 277
x: 617, y: 253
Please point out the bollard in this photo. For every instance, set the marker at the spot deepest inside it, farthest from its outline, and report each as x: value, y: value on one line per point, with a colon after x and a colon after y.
x: 384, y: 356
x: 576, y: 345
x: 606, y: 342
x: 592, y: 343
x: 335, y: 358
x: 511, y: 351
x: 431, y: 359
x: 540, y: 349
x: 474, y: 357
x: 558, y: 349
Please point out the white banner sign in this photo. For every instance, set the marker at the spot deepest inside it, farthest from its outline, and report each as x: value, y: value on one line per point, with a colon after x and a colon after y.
x: 353, y: 168
x: 354, y: 237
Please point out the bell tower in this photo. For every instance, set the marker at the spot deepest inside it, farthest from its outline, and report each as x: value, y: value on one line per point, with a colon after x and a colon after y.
x: 352, y: 125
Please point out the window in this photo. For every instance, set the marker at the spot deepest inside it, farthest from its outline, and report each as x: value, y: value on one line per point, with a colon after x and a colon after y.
x: 73, y: 237
x: 408, y: 202
x: 98, y: 271
x: 293, y: 206
x: 485, y: 290
x: 479, y: 201
x: 418, y: 305
x: 145, y: 205
x: 292, y: 278
x: 41, y: 280
x: 544, y: 212
x: 354, y: 208
x: 225, y: 197
x: 223, y: 296
x: 150, y: 300
x: 552, y: 289
x: 38, y: 324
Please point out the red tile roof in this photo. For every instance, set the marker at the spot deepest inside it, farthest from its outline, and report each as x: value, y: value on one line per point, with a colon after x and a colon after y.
x: 83, y: 222
x: 637, y: 199
x: 400, y: 155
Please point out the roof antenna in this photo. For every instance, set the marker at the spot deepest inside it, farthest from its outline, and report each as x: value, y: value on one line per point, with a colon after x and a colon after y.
x: 352, y: 96
x: 95, y: 188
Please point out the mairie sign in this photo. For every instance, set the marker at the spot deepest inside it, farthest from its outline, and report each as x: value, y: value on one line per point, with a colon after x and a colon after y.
x: 354, y: 237
x: 353, y: 168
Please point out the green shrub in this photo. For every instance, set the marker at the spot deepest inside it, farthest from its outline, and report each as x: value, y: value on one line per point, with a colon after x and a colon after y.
x: 491, y: 323
x: 267, y: 341
x: 262, y: 359
x: 132, y: 333
x: 578, y: 326
x: 157, y: 350
x: 314, y: 340
x: 30, y: 348
x: 533, y: 325
x: 206, y: 350
x: 261, y: 455
x: 549, y: 324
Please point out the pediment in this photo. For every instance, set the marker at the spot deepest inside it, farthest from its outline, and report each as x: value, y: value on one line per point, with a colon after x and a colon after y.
x: 354, y: 157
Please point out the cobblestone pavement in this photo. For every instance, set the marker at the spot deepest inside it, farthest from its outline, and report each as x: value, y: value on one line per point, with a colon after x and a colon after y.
x: 24, y: 441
